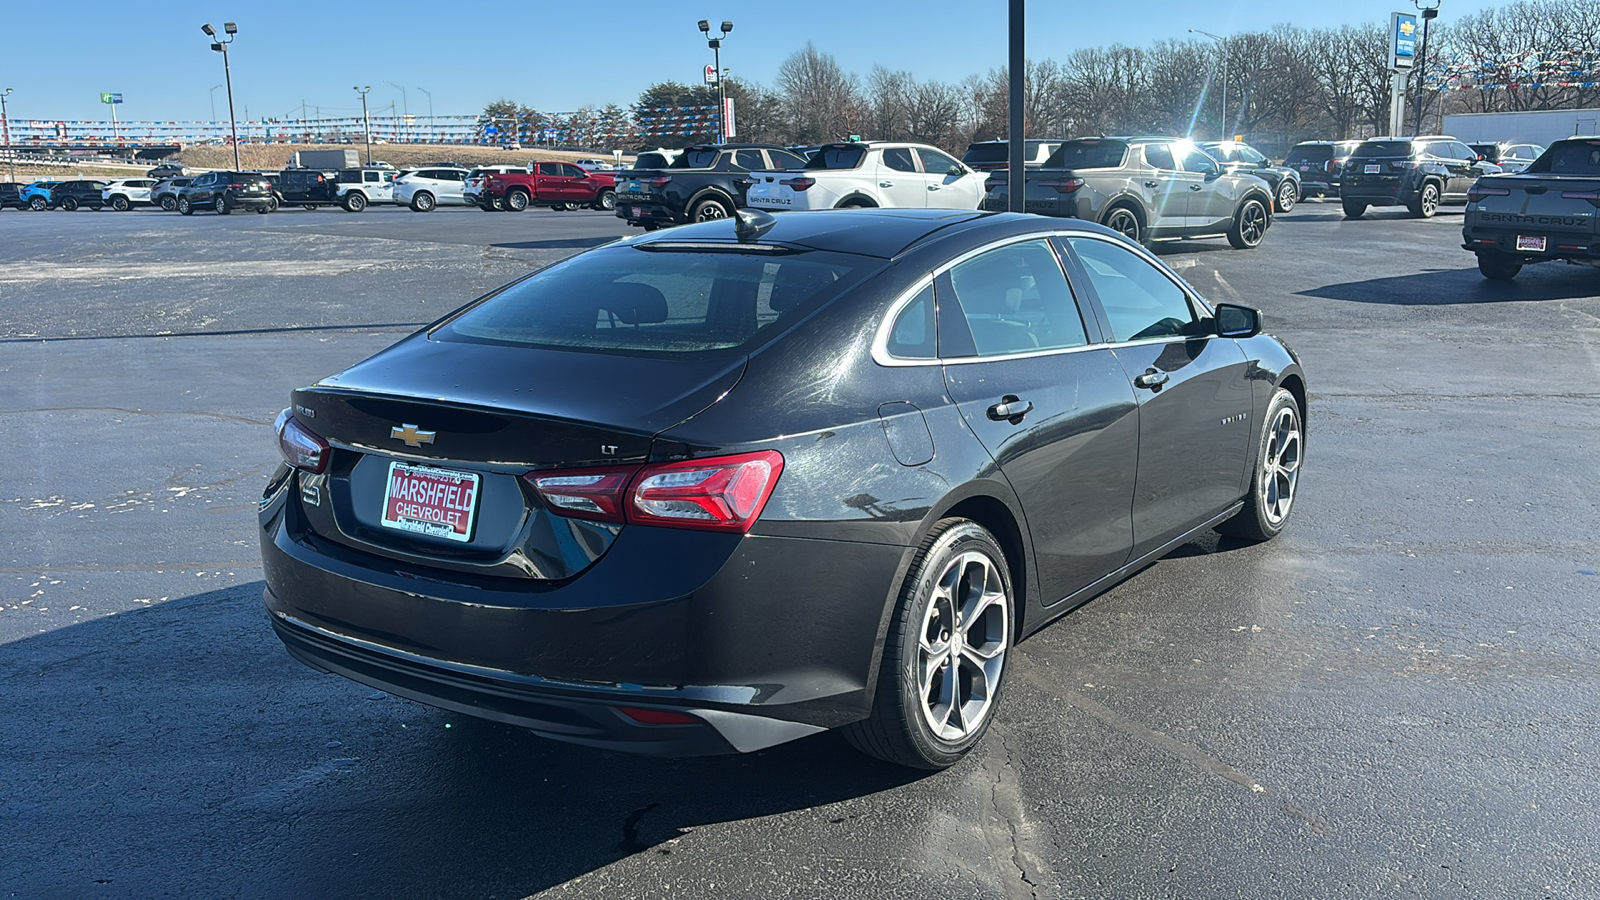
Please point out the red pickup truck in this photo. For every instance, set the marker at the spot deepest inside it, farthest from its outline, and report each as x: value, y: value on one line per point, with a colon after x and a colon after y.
x: 558, y: 185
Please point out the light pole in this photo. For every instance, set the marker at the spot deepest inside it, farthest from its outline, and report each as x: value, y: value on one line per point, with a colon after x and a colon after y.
x: 221, y: 46
x: 715, y: 43
x: 405, y: 105
x: 431, y: 136
x: 5, y: 122
x: 364, y: 120
x: 214, y: 89
x: 1429, y: 13
x: 1222, y: 51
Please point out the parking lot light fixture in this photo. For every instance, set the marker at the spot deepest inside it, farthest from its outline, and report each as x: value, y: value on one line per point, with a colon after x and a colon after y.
x: 1222, y: 52
x: 715, y: 43
x: 5, y: 122
x: 365, y: 120
x: 220, y: 45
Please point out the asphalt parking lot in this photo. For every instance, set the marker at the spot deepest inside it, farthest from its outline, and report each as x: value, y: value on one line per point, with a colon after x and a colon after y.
x: 1396, y: 698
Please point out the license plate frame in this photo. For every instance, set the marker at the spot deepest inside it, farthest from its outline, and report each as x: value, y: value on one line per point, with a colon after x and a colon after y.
x: 415, y: 513
x: 1534, y: 243
x: 1371, y: 169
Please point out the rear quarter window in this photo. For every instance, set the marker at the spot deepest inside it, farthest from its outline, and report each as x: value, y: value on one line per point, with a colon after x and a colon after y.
x: 658, y: 302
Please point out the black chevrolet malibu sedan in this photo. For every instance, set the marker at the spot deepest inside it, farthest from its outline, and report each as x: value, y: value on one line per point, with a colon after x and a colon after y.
x: 717, y: 488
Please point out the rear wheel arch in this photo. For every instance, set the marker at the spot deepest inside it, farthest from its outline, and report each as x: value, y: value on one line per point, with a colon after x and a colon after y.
x: 1000, y: 519
x: 711, y: 193
x: 856, y: 199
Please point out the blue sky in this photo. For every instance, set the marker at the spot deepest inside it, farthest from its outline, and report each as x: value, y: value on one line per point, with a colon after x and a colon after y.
x: 553, y: 55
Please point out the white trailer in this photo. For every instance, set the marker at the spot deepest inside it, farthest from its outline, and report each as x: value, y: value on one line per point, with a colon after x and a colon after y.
x: 1544, y: 127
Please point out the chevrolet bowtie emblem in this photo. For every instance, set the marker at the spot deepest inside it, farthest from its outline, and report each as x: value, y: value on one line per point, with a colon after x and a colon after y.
x: 411, y: 435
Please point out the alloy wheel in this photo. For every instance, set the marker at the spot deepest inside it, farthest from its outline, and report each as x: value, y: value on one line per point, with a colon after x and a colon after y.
x: 1430, y: 200
x: 709, y: 211
x: 1280, y: 470
x: 1125, y: 223
x: 962, y: 646
x: 1288, y: 195
x: 1253, y: 223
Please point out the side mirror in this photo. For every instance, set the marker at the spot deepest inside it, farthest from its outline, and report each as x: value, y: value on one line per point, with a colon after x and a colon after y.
x: 957, y: 171
x: 1237, y: 321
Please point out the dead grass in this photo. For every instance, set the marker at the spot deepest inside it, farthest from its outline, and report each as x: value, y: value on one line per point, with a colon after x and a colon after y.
x: 401, y: 156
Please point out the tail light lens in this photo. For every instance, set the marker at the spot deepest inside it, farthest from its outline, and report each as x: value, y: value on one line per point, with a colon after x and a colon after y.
x: 800, y: 183
x: 1592, y: 196
x: 657, y: 716
x: 1403, y: 164
x: 659, y: 182
x: 1064, y: 185
x: 1333, y: 166
x: 723, y: 493
x: 1476, y: 193
x: 301, y: 448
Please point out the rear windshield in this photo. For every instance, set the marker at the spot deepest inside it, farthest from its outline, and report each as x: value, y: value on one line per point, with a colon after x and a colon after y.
x: 1491, y: 152
x: 988, y: 152
x: 1087, y: 155
x: 650, y: 161
x: 659, y: 302
x: 696, y: 158
x: 1569, y: 158
x: 1383, y: 148
x: 837, y: 158
x: 1316, y: 153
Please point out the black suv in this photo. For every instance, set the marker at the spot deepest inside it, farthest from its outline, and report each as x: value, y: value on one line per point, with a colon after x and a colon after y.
x: 1318, y: 163
x: 986, y: 156
x: 69, y: 195
x: 706, y: 181
x: 226, y: 192
x: 11, y: 195
x: 1420, y: 172
x: 309, y: 188
x: 1242, y: 159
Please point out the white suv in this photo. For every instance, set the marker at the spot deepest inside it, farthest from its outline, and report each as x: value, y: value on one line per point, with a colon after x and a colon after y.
x: 126, y: 193
x: 425, y: 189
x: 360, y: 188
x: 886, y: 174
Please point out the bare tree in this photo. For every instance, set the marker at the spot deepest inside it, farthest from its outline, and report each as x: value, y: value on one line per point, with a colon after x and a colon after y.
x: 819, y: 97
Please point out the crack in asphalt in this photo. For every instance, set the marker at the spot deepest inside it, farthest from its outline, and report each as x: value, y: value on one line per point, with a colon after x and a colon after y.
x: 245, y: 420
x: 1005, y: 803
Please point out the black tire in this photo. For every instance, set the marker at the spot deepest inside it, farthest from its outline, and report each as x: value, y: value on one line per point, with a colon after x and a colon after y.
x: 516, y: 200
x: 184, y: 206
x: 168, y: 202
x: 1276, y: 477
x: 709, y: 210
x: 422, y: 201
x: 1497, y: 266
x: 1353, y: 209
x: 221, y: 205
x: 1288, y: 195
x: 1250, y: 223
x: 70, y: 204
x: 1427, y: 202
x: 38, y: 204
x: 1124, y: 221
x: 497, y: 204
x: 265, y: 208
x: 607, y: 201
x: 272, y: 204
x: 310, y: 206
x: 355, y: 201
x: 120, y: 203
x: 856, y: 204
x: 900, y: 729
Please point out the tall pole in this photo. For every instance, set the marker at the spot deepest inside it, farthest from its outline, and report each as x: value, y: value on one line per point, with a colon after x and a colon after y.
x: 405, y: 106
x: 1222, y: 55
x: 715, y: 43
x: 432, y: 135
x: 5, y: 121
x: 1016, y: 147
x: 1429, y: 13
x: 220, y: 45
x: 214, y: 89
x: 365, y: 120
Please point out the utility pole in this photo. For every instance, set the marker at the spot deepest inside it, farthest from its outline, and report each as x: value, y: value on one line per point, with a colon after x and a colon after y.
x: 715, y: 43
x: 432, y: 136
x: 1222, y: 54
x: 1017, y: 145
x: 221, y: 46
x: 405, y: 107
x: 1429, y: 13
x: 5, y: 122
x: 365, y: 120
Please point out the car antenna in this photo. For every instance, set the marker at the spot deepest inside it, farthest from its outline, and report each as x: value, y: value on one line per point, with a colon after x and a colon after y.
x: 750, y: 224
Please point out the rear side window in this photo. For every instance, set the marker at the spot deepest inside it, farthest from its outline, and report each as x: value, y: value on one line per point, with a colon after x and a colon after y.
x: 1159, y: 156
x: 783, y: 159
x: 1016, y: 300
x: 837, y: 158
x: 1140, y: 301
x: 696, y: 158
x: 660, y: 302
x: 749, y: 160
x: 899, y: 159
x: 1087, y: 154
x: 1569, y: 158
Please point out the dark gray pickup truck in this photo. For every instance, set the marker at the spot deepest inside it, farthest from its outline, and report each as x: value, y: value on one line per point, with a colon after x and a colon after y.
x: 1547, y: 211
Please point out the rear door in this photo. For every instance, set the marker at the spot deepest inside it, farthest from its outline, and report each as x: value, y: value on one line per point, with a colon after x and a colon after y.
x: 1167, y: 187
x: 1192, y: 387
x: 1050, y: 403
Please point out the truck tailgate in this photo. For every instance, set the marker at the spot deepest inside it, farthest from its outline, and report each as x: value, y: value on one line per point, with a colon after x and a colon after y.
x: 775, y: 190
x: 1537, y: 203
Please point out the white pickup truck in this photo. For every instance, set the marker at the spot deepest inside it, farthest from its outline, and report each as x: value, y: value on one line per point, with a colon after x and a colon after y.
x: 885, y: 174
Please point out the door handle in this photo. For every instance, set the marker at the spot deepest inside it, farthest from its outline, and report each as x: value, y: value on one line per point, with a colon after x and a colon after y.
x: 1151, y: 379
x: 1152, y: 184
x: 1194, y: 187
x: 934, y: 187
x: 1011, y: 408
x: 885, y: 184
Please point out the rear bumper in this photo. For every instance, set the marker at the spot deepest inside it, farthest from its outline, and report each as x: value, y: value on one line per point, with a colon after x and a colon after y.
x: 761, y: 639
x: 639, y: 212
x: 1558, y: 245
x: 1390, y: 191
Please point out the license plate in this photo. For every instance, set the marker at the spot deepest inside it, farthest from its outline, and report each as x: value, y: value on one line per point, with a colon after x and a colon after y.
x: 1305, y: 168
x: 439, y: 503
x: 1535, y: 244
x: 636, y: 212
x: 1371, y: 169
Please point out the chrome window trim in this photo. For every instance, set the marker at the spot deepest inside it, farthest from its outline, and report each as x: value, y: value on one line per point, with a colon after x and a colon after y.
x: 880, y: 340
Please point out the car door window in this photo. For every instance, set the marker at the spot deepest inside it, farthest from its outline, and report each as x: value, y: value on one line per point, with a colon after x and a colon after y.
x: 1198, y: 161
x: 572, y: 171
x: 1140, y: 301
x: 934, y: 162
x: 899, y: 159
x: 1015, y: 299
x: 782, y: 159
x: 749, y: 160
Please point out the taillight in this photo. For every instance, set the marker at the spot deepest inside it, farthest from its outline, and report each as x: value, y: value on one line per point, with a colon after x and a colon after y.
x: 799, y: 183
x: 1403, y: 164
x: 1063, y: 185
x: 723, y: 493
x: 657, y: 716
x: 301, y: 448
x: 1476, y: 193
x: 597, y: 494
x: 659, y: 182
x: 1592, y: 196
x: 720, y: 494
x: 1333, y: 166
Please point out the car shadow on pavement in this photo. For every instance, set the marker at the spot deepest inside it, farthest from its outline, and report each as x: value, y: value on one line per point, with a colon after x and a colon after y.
x: 582, y: 243
x: 177, y: 750
x: 1449, y: 287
